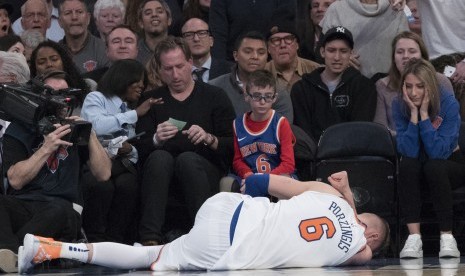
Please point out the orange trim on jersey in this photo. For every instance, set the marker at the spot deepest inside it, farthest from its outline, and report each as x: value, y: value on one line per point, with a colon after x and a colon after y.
x: 251, y: 132
x: 152, y: 266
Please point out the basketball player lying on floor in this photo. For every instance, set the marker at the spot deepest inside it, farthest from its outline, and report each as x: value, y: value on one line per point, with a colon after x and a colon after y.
x: 314, y: 225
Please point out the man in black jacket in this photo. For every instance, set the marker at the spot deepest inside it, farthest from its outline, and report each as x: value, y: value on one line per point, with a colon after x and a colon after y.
x: 336, y: 93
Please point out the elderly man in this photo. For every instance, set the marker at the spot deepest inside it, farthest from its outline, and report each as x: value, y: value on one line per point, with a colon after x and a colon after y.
x: 39, y: 15
x: 197, y: 36
x: 285, y: 65
x: 108, y: 14
x: 121, y: 44
x: 14, y: 69
x: 88, y: 51
x: 250, y: 54
x: 154, y: 19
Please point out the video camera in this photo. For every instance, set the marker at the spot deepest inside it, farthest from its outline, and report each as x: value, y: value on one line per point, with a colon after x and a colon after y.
x: 39, y: 106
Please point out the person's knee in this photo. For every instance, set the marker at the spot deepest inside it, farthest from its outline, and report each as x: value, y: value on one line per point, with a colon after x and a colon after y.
x: 434, y: 167
x: 187, y: 161
x: 158, y: 158
x: 126, y: 184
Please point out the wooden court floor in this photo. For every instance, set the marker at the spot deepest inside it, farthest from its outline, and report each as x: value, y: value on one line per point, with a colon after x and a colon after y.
x: 392, y: 266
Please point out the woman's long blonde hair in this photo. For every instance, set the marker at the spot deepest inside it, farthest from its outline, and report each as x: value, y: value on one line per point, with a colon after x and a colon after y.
x: 424, y: 70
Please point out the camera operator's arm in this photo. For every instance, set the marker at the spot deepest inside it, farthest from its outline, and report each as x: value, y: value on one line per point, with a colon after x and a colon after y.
x: 99, y: 162
x: 24, y: 171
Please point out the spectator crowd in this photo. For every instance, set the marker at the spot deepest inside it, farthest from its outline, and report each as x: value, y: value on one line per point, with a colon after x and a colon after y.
x: 188, y: 98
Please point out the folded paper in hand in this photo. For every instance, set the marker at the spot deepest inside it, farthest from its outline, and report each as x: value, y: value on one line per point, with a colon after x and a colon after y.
x: 112, y: 146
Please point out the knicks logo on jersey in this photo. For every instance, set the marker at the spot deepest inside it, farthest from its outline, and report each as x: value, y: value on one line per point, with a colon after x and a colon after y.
x: 258, y: 146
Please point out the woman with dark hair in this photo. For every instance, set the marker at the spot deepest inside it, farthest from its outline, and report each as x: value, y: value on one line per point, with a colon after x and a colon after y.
x: 50, y: 55
x: 109, y: 209
x: 12, y: 43
x: 427, y: 121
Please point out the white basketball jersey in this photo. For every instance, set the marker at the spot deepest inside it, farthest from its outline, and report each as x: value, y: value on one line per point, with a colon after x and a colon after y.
x: 309, y: 230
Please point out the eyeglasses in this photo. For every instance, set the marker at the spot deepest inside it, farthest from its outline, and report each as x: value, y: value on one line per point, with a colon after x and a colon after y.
x: 256, y: 96
x: 200, y: 34
x: 288, y: 40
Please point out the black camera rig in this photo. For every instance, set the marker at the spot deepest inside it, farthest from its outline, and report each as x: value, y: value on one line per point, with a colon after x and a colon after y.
x: 39, y: 106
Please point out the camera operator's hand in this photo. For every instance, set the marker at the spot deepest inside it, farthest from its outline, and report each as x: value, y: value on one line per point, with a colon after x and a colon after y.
x: 74, y: 118
x: 144, y: 107
x: 52, y: 141
x: 125, y: 149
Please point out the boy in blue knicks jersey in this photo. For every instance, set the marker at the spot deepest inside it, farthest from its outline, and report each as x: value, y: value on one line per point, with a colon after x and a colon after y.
x: 263, y: 139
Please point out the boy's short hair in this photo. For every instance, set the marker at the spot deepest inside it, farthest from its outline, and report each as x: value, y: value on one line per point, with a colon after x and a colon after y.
x: 261, y: 78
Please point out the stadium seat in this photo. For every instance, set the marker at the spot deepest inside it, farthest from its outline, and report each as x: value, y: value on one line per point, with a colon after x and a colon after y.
x: 367, y: 152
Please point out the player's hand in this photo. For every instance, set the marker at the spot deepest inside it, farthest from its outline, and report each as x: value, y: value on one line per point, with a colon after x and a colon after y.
x: 459, y: 74
x: 340, y: 181
x: 196, y: 134
x: 144, y: 107
x: 397, y: 5
x: 53, y: 141
x: 165, y: 131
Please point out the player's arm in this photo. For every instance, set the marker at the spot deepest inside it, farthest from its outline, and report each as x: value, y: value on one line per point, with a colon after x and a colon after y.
x: 340, y: 182
x: 283, y: 187
x: 362, y: 257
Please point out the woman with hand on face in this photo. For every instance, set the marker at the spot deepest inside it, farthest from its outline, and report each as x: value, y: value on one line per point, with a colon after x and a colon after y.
x: 404, y: 46
x: 427, y: 122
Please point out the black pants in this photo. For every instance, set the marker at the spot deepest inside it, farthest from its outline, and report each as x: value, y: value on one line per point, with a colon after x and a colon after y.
x: 55, y: 219
x: 197, y: 178
x: 441, y: 176
x: 110, y: 206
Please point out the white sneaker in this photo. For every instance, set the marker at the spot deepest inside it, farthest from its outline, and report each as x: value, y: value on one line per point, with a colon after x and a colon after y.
x: 413, y: 247
x: 448, y: 247
x: 8, y: 261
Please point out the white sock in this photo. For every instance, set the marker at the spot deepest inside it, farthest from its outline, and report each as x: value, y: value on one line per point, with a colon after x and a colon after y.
x: 74, y: 251
x: 121, y: 256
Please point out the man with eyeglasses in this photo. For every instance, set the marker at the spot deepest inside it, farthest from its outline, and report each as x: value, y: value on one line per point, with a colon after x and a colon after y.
x: 335, y: 93
x: 285, y: 65
x: 250, y: 54
x: 263, y: 139
x: 39, y: 15
x: 199, y: 40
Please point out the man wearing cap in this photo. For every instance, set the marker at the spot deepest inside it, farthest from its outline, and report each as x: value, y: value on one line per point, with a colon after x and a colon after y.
x: 374, y: 25
x: 286, y: 66
x: 335, y: 93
